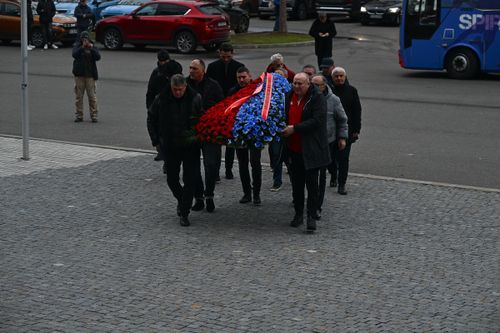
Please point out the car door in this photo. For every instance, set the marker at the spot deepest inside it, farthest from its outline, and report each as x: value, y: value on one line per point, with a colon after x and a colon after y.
x: 10, y: 21
x: 135, y: 25
x: 170, y: 17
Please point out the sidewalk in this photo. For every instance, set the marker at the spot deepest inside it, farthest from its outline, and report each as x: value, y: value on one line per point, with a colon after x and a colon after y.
x: 90, y: 242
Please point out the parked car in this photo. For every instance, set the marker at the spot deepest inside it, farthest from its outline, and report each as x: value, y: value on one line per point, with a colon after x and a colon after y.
x: 123, y: 7
x: 382, y: 11
x: 239, y: 18
x: 63, y: 27
x: 184, y: 24
x: 296, y: 9
x: 96, y: 6
x: 352, y: 8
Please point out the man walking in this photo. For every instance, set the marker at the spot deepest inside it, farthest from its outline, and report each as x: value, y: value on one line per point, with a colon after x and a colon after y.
x: 84, y: 17
x: 85, y: 56
x: 323, y: 31
x: 307, y: 146
x: 46, y: 11
x: 172, y: 117
x: 223, y: 71
x: 211, y: 93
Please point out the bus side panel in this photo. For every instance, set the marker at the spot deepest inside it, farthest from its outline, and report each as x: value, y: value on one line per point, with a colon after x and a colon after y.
x: 492, y: 42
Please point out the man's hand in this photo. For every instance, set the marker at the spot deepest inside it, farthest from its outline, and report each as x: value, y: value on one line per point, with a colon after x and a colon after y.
x: 341, y: 143
x: 289, y: 130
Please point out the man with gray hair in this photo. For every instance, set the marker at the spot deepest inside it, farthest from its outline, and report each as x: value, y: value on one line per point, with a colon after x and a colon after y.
x: 277, y: 62
x: 171, y: 121
x: 350, y: 101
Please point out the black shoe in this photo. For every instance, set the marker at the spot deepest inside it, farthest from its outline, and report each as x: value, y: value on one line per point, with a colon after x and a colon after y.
x: 341, y: 190
x: 158, y: 157
x: 256, y: 200
x: 311, y: 224
x: 229, y: 174
x: 298, y: 219
x: 198, y: 205
x: 210, y: 205
x: 246, y: 198
x: 78, y: 120
x: 333, y: 182
x: 184, y: 221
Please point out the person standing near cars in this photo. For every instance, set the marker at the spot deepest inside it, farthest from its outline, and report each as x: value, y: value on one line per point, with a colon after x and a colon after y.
x: 46, y: 11
x: 30, y: 23
x: 84, y: 17
x: 350, y: 101
x: 85, y: 56
x: 223, y: 71
x: 323, y: 31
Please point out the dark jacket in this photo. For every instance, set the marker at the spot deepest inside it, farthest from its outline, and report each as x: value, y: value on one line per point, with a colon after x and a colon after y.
x: 171, y: 120
x: 210, y: 91
x: 312, y: 128
x: 323, y: 45
x: 352, y: 106
x: 226, y: 78
x: 84, y: 63
x: 160, y: 79
x: 83, y: 16
x: 46, y: 10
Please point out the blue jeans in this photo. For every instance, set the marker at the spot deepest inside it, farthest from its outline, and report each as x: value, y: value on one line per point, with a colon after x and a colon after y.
x: 275, y: 151
x: 277, y: 18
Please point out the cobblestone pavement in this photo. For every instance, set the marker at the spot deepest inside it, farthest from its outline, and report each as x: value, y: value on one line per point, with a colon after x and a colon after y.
x: 93, y: 244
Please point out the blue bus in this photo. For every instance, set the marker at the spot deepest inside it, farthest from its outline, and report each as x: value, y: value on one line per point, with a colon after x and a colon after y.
x: 461, y: 36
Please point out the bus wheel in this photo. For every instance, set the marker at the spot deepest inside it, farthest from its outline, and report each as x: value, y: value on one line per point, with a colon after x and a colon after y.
x: 462, y: 64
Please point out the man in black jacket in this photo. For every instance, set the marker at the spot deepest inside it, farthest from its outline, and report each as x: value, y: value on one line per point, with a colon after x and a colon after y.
x: 323, y: 31
x: 307, y: 146
x: 211, y: 93
x: 46, y: 11
x: 171, y: 121
x: 84, y: 17
x: 85, y: 56
x: 223, y: 71
x: 160, y: 80
x: 350, y: 101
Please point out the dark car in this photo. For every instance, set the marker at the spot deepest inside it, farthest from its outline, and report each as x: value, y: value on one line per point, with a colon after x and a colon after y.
x: 239, y: 18
x: 184, y: 24
x: 296, y: 9
x: 382, y: 11
x: 352, y: 8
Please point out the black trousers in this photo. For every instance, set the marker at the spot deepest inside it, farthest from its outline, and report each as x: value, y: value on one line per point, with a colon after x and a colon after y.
x: 211, y: 162
x: 251, y: 155
x: 339, y: 168
x: 189, y: 158
x: 47, y: 32
x: 229, y: 158
x: 301, y: 177
x: 322, y: 187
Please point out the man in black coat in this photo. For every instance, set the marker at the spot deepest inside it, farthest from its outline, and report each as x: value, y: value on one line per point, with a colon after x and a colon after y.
x: 352, y: 106
x: 171, y: 121
x: 323, y: 31
x: 85, y: 56
x: 46, y: 11
x: 307, y: 146
x: 223, y: 71
x: 211, y: 93
x: 84, y: 17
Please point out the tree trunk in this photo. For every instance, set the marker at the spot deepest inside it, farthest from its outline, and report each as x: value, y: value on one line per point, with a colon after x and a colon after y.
x: 283, y: 25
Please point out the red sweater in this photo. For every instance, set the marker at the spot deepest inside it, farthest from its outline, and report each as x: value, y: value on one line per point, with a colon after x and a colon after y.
x: 295, y: 117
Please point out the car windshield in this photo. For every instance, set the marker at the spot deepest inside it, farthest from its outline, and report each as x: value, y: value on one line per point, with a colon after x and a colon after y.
x: 211, y: 10
x: 131, y: 2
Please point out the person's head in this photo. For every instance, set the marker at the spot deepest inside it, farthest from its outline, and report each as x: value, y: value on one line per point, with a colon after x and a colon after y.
x: 163, y: 56
x: 277, y: 60
x: 178, y: 85
x: 338, y: 76
x: 85, y: 37
x: 197, y: 70
x: 326, y: 66
x: 83, y: 2
x: 226, y: 52
x: 309, y: 70
x: 301, y: 84
x: 319, y: 82
x: 281, y: 71
x: 322, y: 16
x: 243, y: 76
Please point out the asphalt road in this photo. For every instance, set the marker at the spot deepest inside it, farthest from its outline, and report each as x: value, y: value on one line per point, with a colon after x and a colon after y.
x: 416, y: 125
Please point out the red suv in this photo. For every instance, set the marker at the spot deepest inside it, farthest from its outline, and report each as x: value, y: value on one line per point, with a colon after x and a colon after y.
x: 185, y: 24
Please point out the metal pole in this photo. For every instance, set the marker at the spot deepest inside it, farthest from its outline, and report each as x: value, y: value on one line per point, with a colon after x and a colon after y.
x: 24, y: 82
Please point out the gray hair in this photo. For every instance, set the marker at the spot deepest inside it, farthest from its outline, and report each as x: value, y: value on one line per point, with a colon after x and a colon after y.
x: 323, y: 79
x: 339, y: 70
x: 276, y: 57
x: 178, y: 80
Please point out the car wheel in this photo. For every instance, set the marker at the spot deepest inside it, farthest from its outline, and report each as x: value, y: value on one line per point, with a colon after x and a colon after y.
x: 37, y: 37
x: 6, y: 41
x: 185, y: 42
x: 112, y: 39
x: 300, y: 11
x: 243, y: 25
x: 462, y: 64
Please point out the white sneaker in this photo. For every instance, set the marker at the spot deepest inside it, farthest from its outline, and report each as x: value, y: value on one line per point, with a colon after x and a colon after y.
x: 45, y: 47
x: 54, y: 46
x: 29, y: 47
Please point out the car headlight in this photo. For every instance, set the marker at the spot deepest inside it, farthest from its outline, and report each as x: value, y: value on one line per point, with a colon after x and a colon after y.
x: 393, y: 10
x: 363, y: 9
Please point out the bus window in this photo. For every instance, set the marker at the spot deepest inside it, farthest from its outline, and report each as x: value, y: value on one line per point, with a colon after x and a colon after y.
x: 425, y: 10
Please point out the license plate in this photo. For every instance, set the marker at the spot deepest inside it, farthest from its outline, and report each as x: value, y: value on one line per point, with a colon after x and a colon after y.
x: 72, y: 31
x: 221, y: 24
x: 376, y: 16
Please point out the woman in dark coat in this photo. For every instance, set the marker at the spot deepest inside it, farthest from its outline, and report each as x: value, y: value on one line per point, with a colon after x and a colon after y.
x: 323, y: 31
